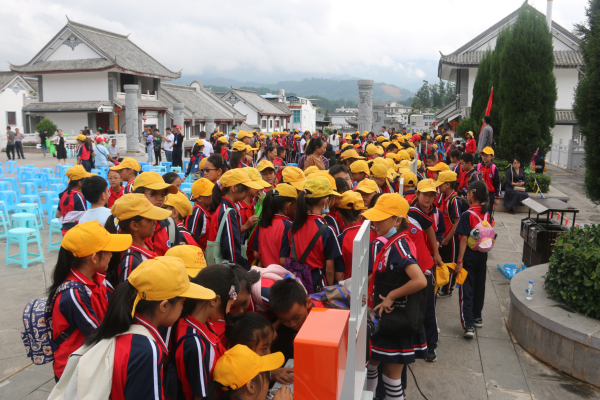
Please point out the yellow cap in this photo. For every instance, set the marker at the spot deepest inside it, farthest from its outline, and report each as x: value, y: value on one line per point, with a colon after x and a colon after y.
x: 237, y: 176
x: 380, y: 149
x: 239, y: 365
x: 348, y: 137
x: 359, y: 166
x: 351, y: 200
x: 367, y: 186
x: 346, y: 145
x: 470, y: 133
x: 488, y: 150
x: 380, y: 139
x: 403, y: 155
x: 438, y: 137
x: 134, y: 204
x: 264, y: 164
x: 202, y: 188
x: 127, y: 162
x: 319, y: 186
x: 256, y: 177
x: 296, y: 136
x: 180, y: 202
x: 223, y: 139
x: 411, y: 152
x: 426, y: 185
x: 311, y: 169
x: 81, y: 137
x: 371, y: 149
x: 392, y: 156
x: 365, y: 134
x: 275, y: 133
x: 164, y: 278
x: 192, y: 256
x: 326, y: 175
x: 243, y: 134
x: 285, y: 190
x: 404, y: 164
x: 350, y: 154
x: 294, y: 176
x: 77, y: 172
x: 410, y: 179
x: 388, y: 205
x: 263, y: 137
x: 239, y: 146
x: 378, y: 170
x: 250, y: 148
x: 199, y: 142
x: 154, y: 181
x: 445, y: 176
x: 439, y: 167
x: 435, y: 146
x: 202, y: 163
x: 90, y: 237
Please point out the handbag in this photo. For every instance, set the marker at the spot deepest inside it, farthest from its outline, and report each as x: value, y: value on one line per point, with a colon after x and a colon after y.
x: 517, y: 188
x: 213, y: 249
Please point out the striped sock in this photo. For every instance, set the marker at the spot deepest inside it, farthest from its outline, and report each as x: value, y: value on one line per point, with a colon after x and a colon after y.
x: 372, y: 378
x: 393, y: 388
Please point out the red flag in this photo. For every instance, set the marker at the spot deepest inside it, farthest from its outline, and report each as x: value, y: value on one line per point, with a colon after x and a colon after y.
x: 488, y: 110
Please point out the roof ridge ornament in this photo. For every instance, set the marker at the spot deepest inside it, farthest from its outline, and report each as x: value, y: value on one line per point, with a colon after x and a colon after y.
x: 72, y: 41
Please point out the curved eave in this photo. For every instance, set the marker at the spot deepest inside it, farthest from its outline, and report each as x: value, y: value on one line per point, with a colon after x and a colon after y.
x: 15, y: 68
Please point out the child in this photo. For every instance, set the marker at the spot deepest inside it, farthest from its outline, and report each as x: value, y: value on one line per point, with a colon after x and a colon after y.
x: 350, y: 207
x: 491, y: 177
x: 137, y: 217
x: 152, y: 297
x: 380, y: 175
x: 115, y: 191
x: 360, y: 171
x: 238, y: 156
x: 308, y: 224
x: 232, y: 188
x: 197, y: 347
x: 128, y: 169
x: 330, y: 214
x: 367, y: 189
x: 395, y: 262
x: 171, y: 178
x: 431, y: 161
x: 72, y: 205
x: 472, y: 291
x: 246, y: 207
x: 468, y: 173
x: 84, y: 152
x: 294, y: 176
x: 196, y: 156
x: 79, y: 290
x: 151, y: 185
x: 471, y: 146
x: 198, y: 221
x: 451, y: 210
x: 271, y: 241
x: 410, y: 186
x: 267, y: 172
x: 192, y: 257
x: 221, y: 148
x: 242, y: 374
x: 341, y: 171
x: 454, y: 162
x: 180, y: 208
x: 349, y: 156
x: 95, y: 191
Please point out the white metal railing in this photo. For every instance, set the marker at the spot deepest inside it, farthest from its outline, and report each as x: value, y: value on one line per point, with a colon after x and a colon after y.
x: 121, y: 95
x: 567, y: 155
x: 143, y: 96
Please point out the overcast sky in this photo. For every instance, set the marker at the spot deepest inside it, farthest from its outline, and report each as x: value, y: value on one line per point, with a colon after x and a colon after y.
x: 396, y: 42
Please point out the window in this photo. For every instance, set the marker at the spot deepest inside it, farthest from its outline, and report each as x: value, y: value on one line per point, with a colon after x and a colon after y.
x: 296, y: 114
x: 276, y: 123
x: 264, y: 124
x: 11, y: 118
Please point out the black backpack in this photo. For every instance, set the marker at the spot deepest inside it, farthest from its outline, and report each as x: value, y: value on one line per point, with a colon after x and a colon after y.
x: 464, y: 204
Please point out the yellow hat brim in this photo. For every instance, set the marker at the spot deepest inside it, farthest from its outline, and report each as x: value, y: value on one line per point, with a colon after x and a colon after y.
x: 376, y: 215
x: 198, y: 292
x: 162, y: 186
x: 156, y: 214
x: 299, y: 185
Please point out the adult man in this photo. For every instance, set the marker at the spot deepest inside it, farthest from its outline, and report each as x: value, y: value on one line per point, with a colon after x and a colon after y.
x: 487, y: 134
x: 43, y: 137
x: 10, y: 144
x: 19, y: 144
x: 110, y: 131
x: 333, y: 140
x: 87, y: 131
x: 168, y: 140
x: 208, y: 148
x: 178, y: 147
x: 101, y: 152
x: 384, y: 133
x: 157, y: 147
x: 113, y: 152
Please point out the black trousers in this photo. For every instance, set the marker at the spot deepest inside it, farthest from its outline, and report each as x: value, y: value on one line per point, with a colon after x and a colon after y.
x: 449, y: 253
x: 430, y: 323
x: 19, y: 147
x: 157, y: 153
x: 177, y: 157
x: 491, y: 205
x: 471, y: 295
x: 10, y: 148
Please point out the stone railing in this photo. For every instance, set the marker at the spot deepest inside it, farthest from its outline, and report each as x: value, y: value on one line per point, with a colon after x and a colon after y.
x: 567, y: 156
x: 34, y: 137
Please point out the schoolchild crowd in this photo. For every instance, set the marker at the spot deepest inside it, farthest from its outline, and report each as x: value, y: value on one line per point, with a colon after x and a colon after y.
x: 132, y: 269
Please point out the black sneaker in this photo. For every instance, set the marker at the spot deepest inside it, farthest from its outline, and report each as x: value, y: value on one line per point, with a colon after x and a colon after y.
x: 431, y: 353
x: 478, y: 322
x: 442, y: 294
x: 469, y: 333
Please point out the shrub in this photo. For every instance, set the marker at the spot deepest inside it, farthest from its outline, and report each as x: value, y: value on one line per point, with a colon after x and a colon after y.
x: 574, y: 270
x: 502, y: 165
x: 543, y: 181
x: 465, y: 126
x: 46, y: 124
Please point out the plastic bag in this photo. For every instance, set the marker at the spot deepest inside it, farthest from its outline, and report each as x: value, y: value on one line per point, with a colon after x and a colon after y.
x: 509, y: 270
x: 52, y: 148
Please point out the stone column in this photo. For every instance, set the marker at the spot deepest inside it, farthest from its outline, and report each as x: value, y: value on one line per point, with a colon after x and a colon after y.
x: 365, y: 105
x: 193, y: 126
x: 132, y: 114
x: 209, y: 126
x: 178, y: 114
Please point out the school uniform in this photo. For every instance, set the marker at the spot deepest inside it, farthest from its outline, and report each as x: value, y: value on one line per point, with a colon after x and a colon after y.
x: 471, y: 146
x: 73, y: 210
x: 133, y: 257
x: 491, y: 176
x: 245, y: 210
x: 138, y: 365
x: 194, y: 164
x: 231, y: 238
x: 387, y: 187
x: 114, y: 196
x: 472, y: 292
x: 160, y: 242
x: 278, y: 163
x: 197, y: 224
x: 83, y: 308
x: 333, y: 219
x: 186, y: 236
x: 346, y: 239
x: 128, y: 187
x: 410, y: 195
x: 225, y: 152
x: 464, y: 178
x: 85, y: 157
x: 326, y: 248
x: 197, y: 352
x: 273, y: 243
x: 451, y: 210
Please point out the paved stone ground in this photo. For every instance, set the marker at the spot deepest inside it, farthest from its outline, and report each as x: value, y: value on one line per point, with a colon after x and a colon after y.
x: 491, y: 366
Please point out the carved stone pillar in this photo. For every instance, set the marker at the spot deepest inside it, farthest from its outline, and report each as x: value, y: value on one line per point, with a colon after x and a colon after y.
x: 132, y: 115
x: 209, y: 126
x: 178, y: 115
x: 365, y: 105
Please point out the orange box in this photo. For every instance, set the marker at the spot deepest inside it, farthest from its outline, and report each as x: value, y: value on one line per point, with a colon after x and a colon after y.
x: 320, y: 352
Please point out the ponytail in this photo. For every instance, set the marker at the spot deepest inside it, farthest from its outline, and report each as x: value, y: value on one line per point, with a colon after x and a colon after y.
x: 480, y: 192
x: 303, y: 205
x: 112, y: 272
x: 73, y: 183
x: 272, y: 205
x: 218, y: 193
x: 65, y: 261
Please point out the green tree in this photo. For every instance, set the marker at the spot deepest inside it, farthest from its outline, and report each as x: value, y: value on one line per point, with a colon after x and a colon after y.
x: 587, y: 101
x: 46, y: 124
x: 527, y: 79
x: 481, y: 92
x: 327, y: 116
x: 436, y: 98
x: 495, y: 72
x: 466, y: 125
x: 424, y: 95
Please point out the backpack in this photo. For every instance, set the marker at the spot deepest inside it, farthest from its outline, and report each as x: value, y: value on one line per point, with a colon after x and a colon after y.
x: 174, y: 235
x: 172, y: 385
x: 464, y: 204
x: 37, y: 319
x: 298, y: 267
x: 483, y: 236
x: 213, y: 249
x: 480, y: 174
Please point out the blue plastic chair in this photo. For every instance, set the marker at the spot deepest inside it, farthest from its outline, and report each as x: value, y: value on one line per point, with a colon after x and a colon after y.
x: 146, y: 168
x: 5, y: 223
x: 167, y: 164
x: 30, y: 189
x: 104, y: 172
x: 187, y: 191
x: 23, y: 236
x: 25, y: 174
x: 49, y: 172
x: 52, y: 214
x: 49, y: 198
x: 55, y: 226
x: 57, y: 187
x: 176, y: 169
x: 4, y: 209
x: 11, y: 167
x: 142, y: 163
x: 60, y: 169
x: 13, y: 182
x: 185, y: 165
x: 185, y: 185
x: 181, y: 176
x: 95, y: 171
x: 9, y: 198
x: 161, y: 169
x: 5, y: 185
x: 28, y: 209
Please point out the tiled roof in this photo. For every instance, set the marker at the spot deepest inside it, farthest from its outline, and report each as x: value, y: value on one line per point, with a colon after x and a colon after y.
x: 117, y: 51
x: 263, y: 106
x: 562, y: 59
x: 248, y: 128
x: 282, y: 106
x: 161, y: 105
x: 6, y: 77
x: 67, y: 106
x: 200, y: 105
x: 565, y: 116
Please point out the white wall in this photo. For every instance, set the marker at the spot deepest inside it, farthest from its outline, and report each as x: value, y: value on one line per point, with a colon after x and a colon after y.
x: 81, y: 86
x: 564, y: 132
x: 80, y: 52
x: 70, y: 123
x: 11, y: 101
x: 566, y: 82
x: 244, y: 109
x: 472, y: 76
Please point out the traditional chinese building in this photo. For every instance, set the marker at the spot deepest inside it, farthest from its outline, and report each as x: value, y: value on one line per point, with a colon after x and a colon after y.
x: 15, y: 93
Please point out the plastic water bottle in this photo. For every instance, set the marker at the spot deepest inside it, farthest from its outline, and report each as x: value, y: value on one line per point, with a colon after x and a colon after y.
x: 529, y: 291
